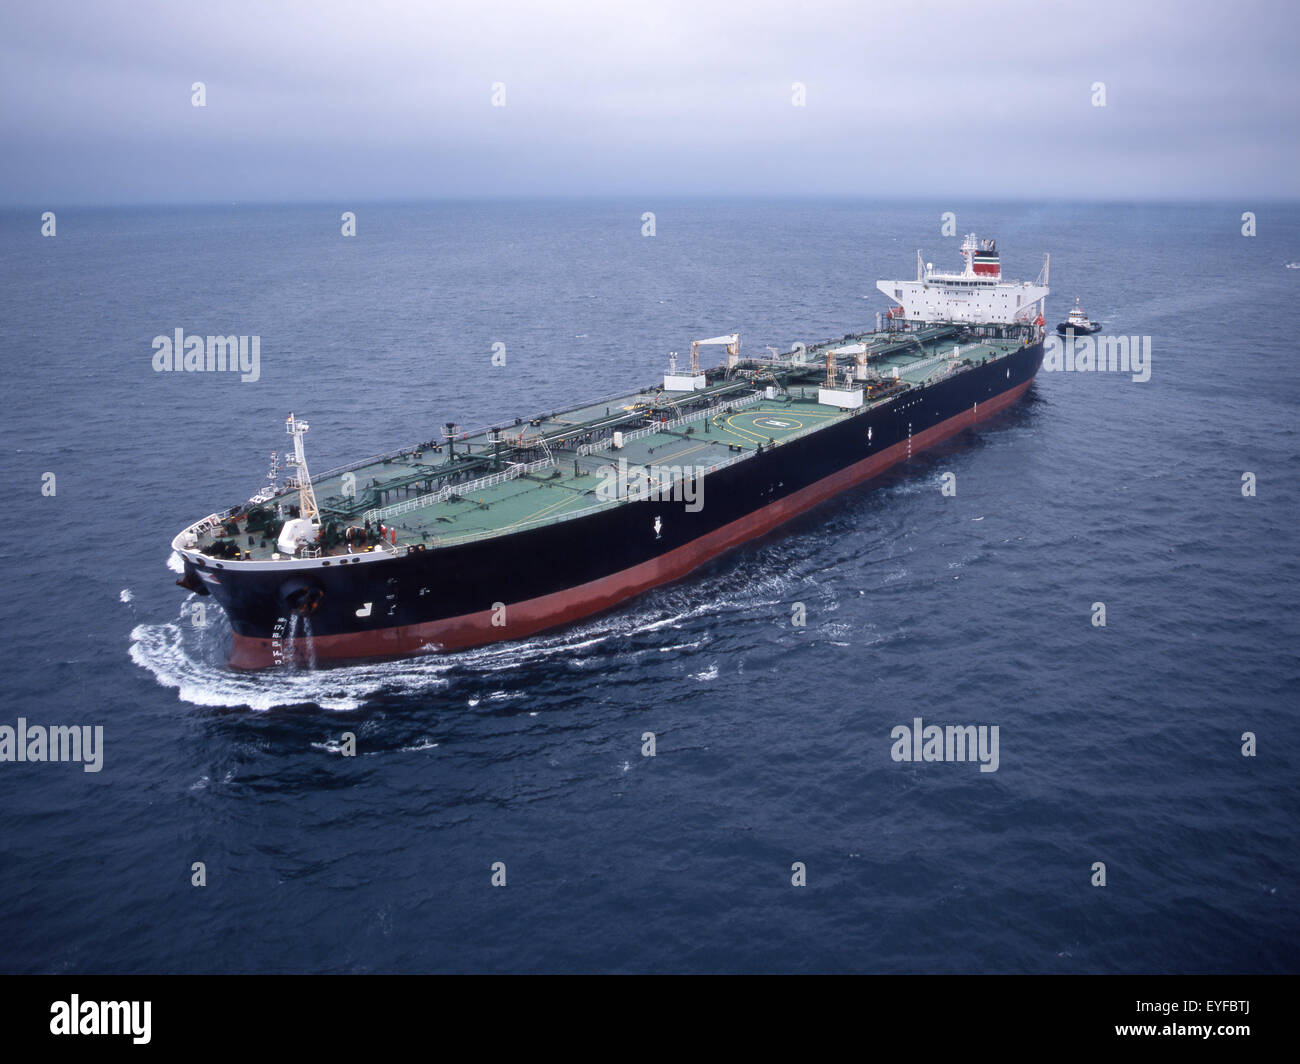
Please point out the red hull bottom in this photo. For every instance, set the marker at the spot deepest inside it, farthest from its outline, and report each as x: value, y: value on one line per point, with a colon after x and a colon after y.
x: 564, y: 607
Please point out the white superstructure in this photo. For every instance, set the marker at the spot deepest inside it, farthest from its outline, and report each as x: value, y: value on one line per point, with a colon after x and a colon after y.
x: 1078, y: 317
x: 977, y: 295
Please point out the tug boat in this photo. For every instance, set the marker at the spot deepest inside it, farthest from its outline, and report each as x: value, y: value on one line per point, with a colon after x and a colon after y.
x: 1078, y: 322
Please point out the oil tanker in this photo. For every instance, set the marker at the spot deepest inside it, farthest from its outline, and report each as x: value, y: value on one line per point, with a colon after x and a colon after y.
x: 472, y: 537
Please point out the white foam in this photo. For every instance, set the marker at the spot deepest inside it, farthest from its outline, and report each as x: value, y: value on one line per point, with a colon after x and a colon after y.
x: 680, y: 646
x: 192, y: 660
x: 125, y: 595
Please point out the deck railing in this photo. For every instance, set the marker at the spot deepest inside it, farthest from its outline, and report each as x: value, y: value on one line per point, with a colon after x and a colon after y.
x: 517, y: 469
x: 660, y: 426
x: 928, y: 363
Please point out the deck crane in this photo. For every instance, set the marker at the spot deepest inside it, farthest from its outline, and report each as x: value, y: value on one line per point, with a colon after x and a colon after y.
x: 732, y: 344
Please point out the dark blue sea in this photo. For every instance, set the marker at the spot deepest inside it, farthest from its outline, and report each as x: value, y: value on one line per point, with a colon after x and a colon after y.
x: 1120, y: 744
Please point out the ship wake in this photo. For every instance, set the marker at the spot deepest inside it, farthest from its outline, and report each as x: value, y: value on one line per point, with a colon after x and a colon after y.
x: 192, y: 660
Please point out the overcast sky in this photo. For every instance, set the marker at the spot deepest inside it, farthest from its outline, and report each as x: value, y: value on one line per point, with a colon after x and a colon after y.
x: 321, y: 101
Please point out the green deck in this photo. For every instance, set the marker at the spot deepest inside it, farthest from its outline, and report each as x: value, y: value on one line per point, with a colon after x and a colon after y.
x: 399, y: 489
x: 544, y: 496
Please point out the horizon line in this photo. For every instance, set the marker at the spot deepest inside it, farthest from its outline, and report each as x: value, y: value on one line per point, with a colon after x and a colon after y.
x: 1244, y: 199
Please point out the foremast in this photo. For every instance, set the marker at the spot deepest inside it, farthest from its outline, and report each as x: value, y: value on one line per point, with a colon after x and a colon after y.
x: 301, y: 478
